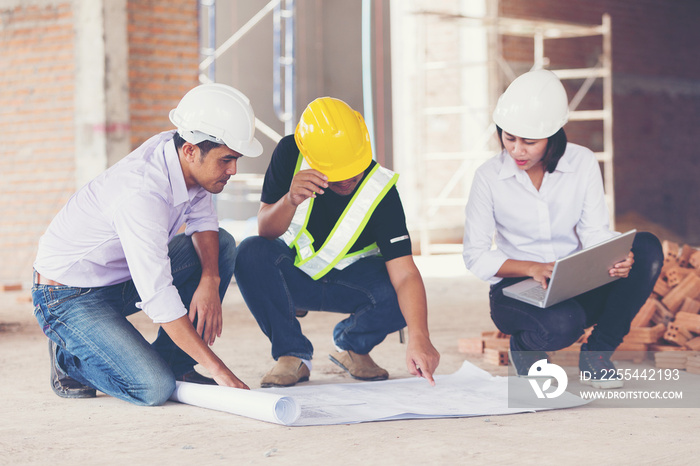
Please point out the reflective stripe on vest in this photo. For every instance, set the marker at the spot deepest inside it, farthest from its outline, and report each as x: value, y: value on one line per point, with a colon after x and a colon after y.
x: 333, y: 253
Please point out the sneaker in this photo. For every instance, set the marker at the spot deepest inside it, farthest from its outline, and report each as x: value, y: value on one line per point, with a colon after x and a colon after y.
x: 599, y: 367
x: 288, y: 371
x: 61, y: 384
x: 523, y: 360
x: 359, y: 366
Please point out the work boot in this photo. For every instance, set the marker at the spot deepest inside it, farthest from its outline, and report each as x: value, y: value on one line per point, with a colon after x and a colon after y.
x: 288, y: 371
x: 359, y: 366
x: 195, y: 377
x: 61, y: 384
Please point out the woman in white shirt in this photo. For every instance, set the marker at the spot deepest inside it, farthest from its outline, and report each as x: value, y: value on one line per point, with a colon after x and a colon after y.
x: 541, y: 199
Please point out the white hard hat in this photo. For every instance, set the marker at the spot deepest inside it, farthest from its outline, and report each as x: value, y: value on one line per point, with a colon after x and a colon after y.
x: 534, y: 106
x: 218, y: 113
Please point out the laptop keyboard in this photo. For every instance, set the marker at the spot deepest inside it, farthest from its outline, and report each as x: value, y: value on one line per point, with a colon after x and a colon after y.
x: 536, y: 292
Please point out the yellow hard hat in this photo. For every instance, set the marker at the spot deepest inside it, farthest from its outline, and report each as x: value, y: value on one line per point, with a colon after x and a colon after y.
x: 333, y: 138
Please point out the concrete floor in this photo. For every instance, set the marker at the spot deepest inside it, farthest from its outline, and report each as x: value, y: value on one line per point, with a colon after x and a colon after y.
x: 36, y: 427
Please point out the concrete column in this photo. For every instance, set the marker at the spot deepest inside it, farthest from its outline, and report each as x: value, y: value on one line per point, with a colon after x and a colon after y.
x: 437, y: 171
x: 116, y: 81
x: 90, y: 99
x: 101, y: 91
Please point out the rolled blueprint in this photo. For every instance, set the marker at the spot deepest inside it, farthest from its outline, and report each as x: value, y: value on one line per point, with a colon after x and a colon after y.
x: 264, y: 406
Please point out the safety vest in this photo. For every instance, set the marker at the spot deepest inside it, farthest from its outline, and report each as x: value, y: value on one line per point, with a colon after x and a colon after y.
x: 333, y: 252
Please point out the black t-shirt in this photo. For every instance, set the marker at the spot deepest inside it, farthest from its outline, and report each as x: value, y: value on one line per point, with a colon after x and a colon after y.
x: 386, y: 226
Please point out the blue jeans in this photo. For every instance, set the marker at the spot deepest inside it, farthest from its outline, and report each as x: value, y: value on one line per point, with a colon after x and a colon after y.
x: 100, y: 348
x: 274, y: 289
x: 610, y: 307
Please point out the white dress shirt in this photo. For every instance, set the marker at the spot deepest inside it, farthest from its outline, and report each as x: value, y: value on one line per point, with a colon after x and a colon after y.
x: 568, y: 212
x: 118, y: 226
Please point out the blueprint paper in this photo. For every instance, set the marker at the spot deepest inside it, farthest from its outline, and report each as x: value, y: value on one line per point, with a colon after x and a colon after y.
x: 468, y: 392
x: 256, y: 404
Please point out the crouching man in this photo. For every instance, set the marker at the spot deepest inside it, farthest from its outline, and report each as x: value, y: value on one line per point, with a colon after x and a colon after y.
x: 333, y: 238
x: 114, y: 250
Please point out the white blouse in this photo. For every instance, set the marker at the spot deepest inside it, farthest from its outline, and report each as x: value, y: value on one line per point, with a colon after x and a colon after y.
x: 568, y: 212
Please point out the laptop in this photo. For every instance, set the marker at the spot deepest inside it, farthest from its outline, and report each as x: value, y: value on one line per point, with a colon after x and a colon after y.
x: 577, y: 273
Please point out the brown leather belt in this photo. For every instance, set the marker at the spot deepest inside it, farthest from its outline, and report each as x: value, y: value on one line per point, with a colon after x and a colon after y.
x: 39, y: 280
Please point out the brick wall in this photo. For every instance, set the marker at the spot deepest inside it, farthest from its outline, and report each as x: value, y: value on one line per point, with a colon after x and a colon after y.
x: 36, y: 116
x: 37, y: 106
x: 163, y: 61
x: 656, y: 97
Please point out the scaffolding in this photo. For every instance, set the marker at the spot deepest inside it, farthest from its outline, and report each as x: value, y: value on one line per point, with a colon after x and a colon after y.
x: 435, y: 216
x: 246, y: 187
x: 284, y: 61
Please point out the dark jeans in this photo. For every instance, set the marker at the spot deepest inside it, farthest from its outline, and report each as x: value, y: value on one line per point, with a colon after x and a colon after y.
x: 99, y: 347
x: 610, y: 308
x: 274, y: 289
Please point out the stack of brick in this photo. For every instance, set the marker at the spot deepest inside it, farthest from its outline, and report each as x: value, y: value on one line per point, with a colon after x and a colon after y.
x: 668, y: 322
x: 493, y: 345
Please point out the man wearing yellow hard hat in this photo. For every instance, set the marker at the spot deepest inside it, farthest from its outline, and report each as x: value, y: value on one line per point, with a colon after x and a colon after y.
x: 333, y: 238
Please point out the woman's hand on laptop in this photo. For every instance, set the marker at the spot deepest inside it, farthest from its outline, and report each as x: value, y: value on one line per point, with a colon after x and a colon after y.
x: 622, y: 269
x: 542, y: 272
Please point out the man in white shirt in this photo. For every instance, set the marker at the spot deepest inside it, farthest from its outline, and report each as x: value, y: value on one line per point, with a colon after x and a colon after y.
x: 115, y: 249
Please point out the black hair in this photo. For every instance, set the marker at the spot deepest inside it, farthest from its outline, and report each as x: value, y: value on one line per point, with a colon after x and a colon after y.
x: 204, y: 146
x: 556, y: 145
